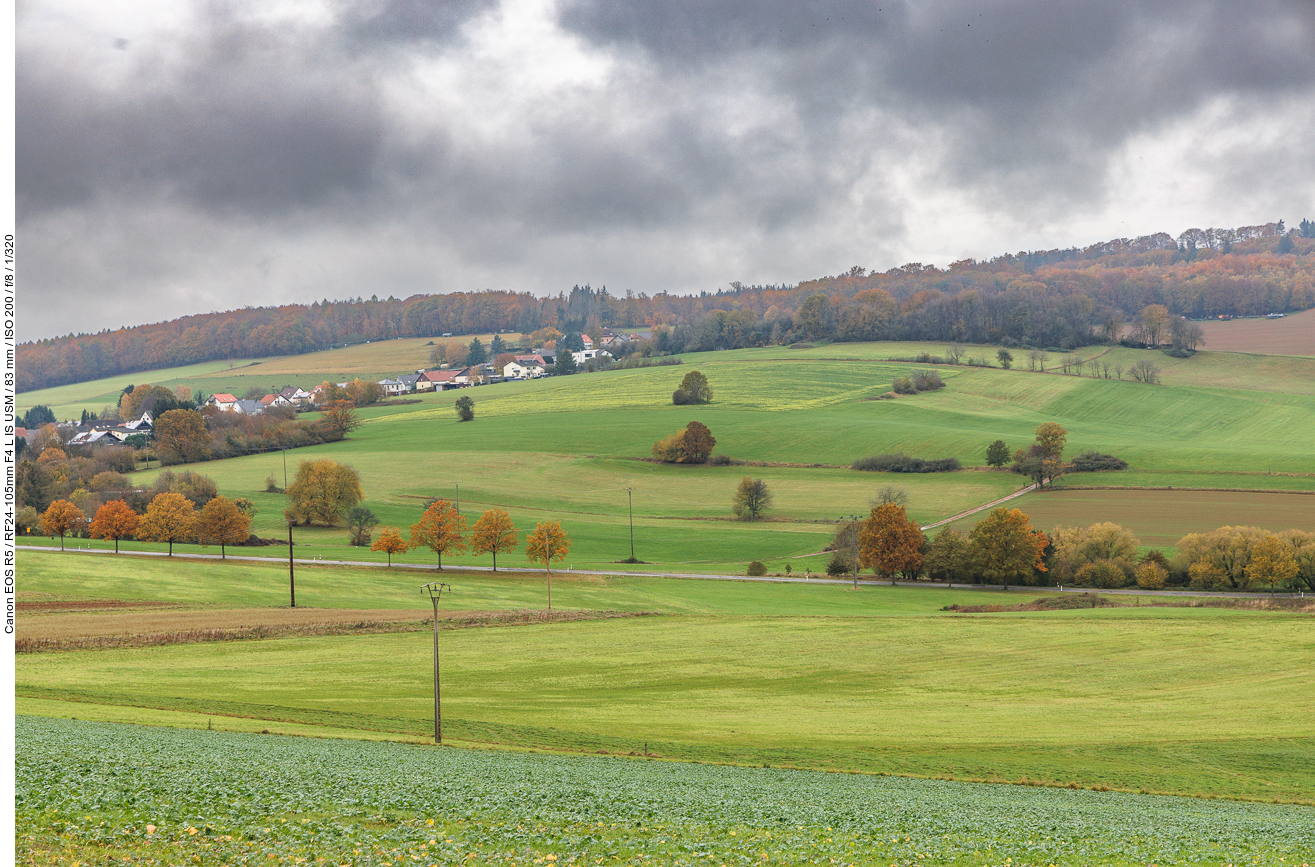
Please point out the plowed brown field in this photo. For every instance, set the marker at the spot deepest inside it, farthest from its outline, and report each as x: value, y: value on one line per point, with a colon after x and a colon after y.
x: 1294, y: 334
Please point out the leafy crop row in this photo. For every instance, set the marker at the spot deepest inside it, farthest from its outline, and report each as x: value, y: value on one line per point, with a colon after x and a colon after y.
x: 167, y: 796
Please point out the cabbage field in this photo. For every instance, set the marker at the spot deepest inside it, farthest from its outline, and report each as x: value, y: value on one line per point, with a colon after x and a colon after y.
x: 88, y: 792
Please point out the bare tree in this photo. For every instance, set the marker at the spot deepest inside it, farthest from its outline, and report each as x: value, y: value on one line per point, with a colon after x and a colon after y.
x: 1146, y: 371
x: 890, y: 495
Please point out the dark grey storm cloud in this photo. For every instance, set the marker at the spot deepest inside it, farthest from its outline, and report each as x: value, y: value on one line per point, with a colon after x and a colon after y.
x: 176, y: 159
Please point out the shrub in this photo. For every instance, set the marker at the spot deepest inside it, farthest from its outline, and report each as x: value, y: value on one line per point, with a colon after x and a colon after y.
x: 928, y: 380
x: 1150, y: 576
x: 901, y: 463
x: 681, y: 397
x: 757, y: 569
x: 1101, y: 573
x: 838, y: 565
x: 1095, y: 462
x: 903, y: 385
x: 1175, y: 352
x: 720, y: 461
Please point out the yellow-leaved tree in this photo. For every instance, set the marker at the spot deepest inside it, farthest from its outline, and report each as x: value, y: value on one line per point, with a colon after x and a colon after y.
x: 60, y: 519
x: 493, y: 532
x: 441, y: 529
x: 221, y: 522
x: 169, y: 518
x: 547, y: 543
x: 322, y: 493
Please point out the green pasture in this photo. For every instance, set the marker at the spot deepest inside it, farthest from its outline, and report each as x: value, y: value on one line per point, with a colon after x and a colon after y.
x: 369, y: 360
x: 1182, y: 701
x: 568, y: 449
x: 237, y: 584
x: 154, y: 796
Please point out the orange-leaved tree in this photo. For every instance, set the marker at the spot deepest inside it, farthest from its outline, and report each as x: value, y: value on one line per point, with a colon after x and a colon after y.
x: 222, y: 522
x: 441, y: 529
x: 115, y: 520
x: 1007, y: 546
x: 493, y: 532
x: 547, y: 543
x: 61, y: 518
x: 169, y: 518
x: 889, y: 542
x: 391, y: 542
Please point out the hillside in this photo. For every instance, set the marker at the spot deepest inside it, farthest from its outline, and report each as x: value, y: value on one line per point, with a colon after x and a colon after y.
x: 567, y: 448
x: 1055, y: 298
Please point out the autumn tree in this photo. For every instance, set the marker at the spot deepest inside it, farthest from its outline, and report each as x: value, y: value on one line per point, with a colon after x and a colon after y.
x: 115, y: 520
x: 391, y: 542
x: 1075, y: 547
x: 169, y: 518
x: 694, y: 389
x: 493, y: 532
x: 1272, y: 562
x: 890, y: 543
x: 949, y: 557
x: 1044, y: 460
x: 465, y: 407
x: 181, y: 437
x: 60, y: 519
x: 997, y: 454
x: 751, y: 499
x: 697, y: 442
x: 441, y: 529
x: 322, y: 492
x: 1153, y: 323
x: 547, y: 543
x: 1302, y: 545
x: 222, y: 523
x: 340, y: 417
x: 1007, y: 547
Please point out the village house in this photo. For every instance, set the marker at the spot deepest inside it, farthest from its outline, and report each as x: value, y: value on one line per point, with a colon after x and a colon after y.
x: 223, y: 402
x: 524, y: 369
x: 393, y: 387
x: 272, y: 400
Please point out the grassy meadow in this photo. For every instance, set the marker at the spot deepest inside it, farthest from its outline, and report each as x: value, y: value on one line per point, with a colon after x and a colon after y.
x: 817, y: 676
x: 567, y: 448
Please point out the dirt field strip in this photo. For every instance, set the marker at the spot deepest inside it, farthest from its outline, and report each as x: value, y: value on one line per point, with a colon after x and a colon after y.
x: 83, y: 631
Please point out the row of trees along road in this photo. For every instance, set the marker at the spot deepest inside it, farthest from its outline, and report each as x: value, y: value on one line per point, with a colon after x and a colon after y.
x: 1003, y: 548
x: 170, y: 518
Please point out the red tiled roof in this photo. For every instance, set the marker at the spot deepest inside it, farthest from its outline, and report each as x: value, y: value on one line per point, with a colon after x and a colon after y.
x: 226, y: 398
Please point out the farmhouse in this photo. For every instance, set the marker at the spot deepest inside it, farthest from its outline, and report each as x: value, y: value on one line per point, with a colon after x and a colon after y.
x: 272, y: 400
x: 295, y: 395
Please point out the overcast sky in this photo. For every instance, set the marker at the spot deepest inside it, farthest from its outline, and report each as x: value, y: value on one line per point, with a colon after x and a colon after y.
x: 179, y: 157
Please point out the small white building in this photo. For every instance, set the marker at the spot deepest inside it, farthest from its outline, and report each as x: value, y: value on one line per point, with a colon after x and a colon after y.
x: 523, y: 370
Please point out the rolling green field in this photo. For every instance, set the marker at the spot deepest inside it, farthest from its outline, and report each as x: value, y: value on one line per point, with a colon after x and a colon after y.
x: 157, y: 796
x: 567, y: 449
x: 817, y: 676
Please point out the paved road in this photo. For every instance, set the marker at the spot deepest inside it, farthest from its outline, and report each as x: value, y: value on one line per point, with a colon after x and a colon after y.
x: 769, y: 579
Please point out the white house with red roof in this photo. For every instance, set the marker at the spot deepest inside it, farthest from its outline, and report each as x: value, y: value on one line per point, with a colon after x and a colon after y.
x: 223, y: 402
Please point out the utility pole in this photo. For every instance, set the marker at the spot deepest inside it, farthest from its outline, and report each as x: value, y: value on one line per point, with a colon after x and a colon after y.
x: 292, y: 583
x: 853, y: 530
x: 435, y: 590
x: 630, y: 498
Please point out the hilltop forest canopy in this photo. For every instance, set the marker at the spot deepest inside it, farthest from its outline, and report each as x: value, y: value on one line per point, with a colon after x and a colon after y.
x: 1051, y: 299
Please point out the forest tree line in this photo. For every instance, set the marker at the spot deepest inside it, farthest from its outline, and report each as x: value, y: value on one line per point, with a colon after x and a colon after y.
x: 1056, y: 299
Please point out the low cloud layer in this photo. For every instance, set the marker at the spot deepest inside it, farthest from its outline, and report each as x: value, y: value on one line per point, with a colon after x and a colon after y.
x: 177, y: 159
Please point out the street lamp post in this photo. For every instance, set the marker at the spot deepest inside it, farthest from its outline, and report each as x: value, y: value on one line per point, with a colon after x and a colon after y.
x: 435, y: 590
